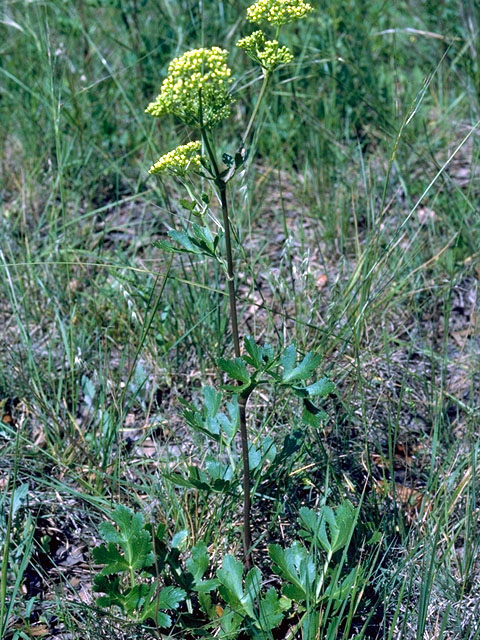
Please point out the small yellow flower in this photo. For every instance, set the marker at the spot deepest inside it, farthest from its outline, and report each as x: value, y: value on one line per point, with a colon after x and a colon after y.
x: 196, y: 88
x: 278, y: 12
x: 267, y: 53
x: 180, y: 160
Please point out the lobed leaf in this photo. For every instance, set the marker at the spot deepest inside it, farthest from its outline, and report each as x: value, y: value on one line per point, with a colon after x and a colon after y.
x: 302, y: 371
x: 236, y: 369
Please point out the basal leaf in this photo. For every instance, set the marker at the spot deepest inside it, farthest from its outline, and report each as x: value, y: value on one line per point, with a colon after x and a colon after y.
x: 109, y: 585
x: 253, y: 585
x: 340, y: 592
x: 254, y: 456
x: 287, y: 563
x: 113, y: 560
x: 110, y: 533
x: 270, y: 611
x: 291, y: 444
x: 269, y: 450
x: 198, y: 562
x: 180, y: 481
x: 312, y: 419
x: 140, y: 550
x: 170, y: 597
x: 136, y: 597
x: 339, y: 522
x: 180, y: 539
x: 230, y: 576
x: 128, y: 522
x: 310, y: 625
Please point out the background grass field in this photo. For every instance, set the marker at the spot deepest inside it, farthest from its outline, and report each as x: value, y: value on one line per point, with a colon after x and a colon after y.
x: 359, y: 222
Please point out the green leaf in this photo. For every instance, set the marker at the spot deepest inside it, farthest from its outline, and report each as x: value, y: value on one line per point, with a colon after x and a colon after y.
x: 269, y: 450
x: 340, y: 524
x: 312, y: 415
x: 236, y: 369
x: 180, y: 481
x: 198, y: 562
x: 179, y: 540
x: 113, y: 560
x: 136, y: 597
x: 111, y: 587
x: 203, y: 238
x: 340, y: 592
x: 231, y: 623
x: 304, y: 370
x: 218, y: 471
x: 253, y: 585
x: 288, y: 360
x: 165, y: 246
x: 198, y: 478
x: 184, y: 241
x: 270, y: 611
x: 189, y: 205
x: 213, y: 400
x: 323, y: 388
x: 255, y: 353
x: 110, y: 533
x: 296, y: 566
x: 254, y: 456
x: 168, y: 598
x: 310, y: 625
x: 133, y: 539
x: 230, y: 424
x: 230, y: 576
x: 291, y: 444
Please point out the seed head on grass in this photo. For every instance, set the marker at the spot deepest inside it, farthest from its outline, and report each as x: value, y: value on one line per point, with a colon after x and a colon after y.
x: 267, y: 53
x: 278, y: 12
x: 196, y: 88
x: 179, y: 161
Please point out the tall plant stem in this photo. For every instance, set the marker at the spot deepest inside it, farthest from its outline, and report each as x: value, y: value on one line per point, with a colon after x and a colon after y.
x: 232, y: 298
x: 242, y: 401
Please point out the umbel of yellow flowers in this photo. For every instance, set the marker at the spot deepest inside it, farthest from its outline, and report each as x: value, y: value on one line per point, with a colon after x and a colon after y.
x: 179, y: 161
x: 278, y: 12
x: 196, y: 88
x: 267, y: 53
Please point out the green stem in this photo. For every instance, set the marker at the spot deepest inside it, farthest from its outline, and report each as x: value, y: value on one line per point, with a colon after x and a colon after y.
x: 242, y: 402
x: 261, y: 95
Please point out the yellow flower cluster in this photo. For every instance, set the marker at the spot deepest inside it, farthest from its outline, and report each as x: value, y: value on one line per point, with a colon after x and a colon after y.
x: 267, y: 53
x: 179, y: 161
x: 196, y: 88
x: 278, y: 12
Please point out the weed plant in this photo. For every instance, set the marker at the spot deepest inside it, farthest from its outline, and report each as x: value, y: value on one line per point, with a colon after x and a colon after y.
x: 352, y: 210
